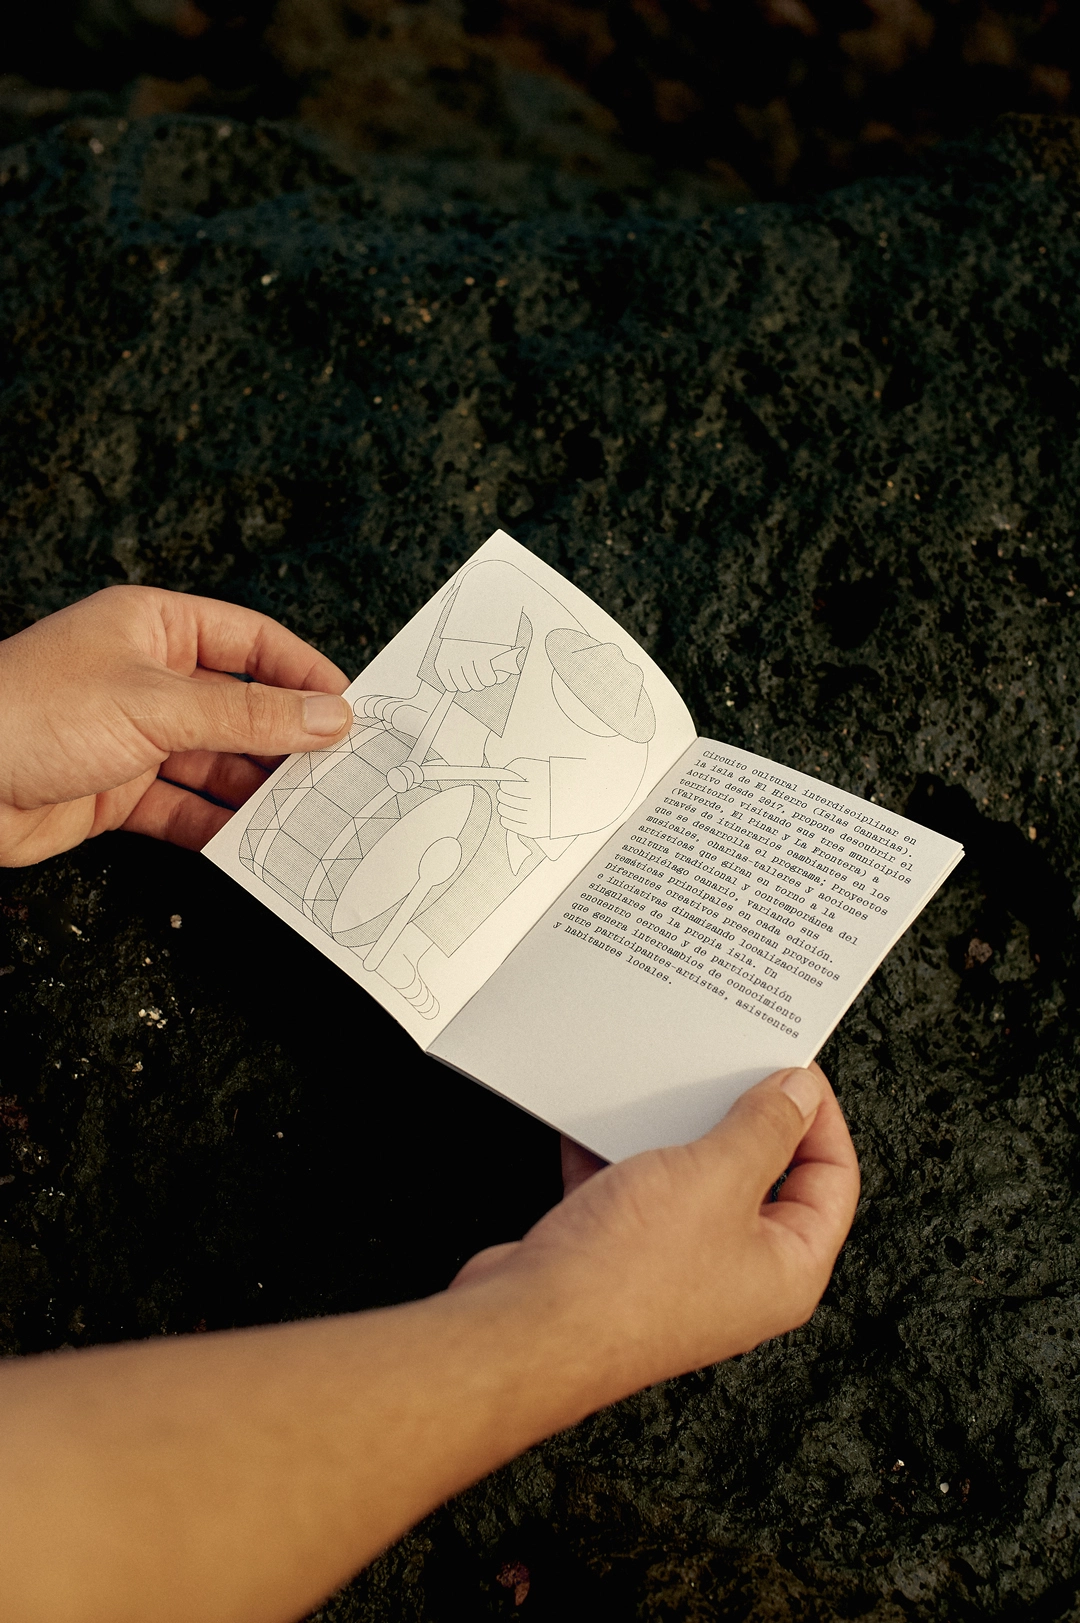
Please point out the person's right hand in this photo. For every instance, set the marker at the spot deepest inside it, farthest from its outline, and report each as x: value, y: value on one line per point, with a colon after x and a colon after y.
x: 678, y: 1257
x: 525, y: 799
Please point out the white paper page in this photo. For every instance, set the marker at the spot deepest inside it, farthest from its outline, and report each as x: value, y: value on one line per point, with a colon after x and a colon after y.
x: 719, y: 936
x: 500, y: 737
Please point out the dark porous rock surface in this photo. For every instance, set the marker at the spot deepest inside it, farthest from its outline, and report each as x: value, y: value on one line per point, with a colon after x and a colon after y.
x: 823, y: 461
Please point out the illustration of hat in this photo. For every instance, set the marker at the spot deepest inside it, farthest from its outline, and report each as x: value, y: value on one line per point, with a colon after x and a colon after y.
x: 605, y: 681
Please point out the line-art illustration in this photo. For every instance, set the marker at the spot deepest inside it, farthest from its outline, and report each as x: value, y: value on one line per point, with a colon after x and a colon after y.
x: 522, y: 733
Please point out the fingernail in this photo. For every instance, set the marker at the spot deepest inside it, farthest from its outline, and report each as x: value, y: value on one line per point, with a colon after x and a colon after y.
x: 804, y: 1089
x: 325, y: 714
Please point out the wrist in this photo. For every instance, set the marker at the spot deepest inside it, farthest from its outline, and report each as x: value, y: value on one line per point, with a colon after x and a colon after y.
x: 558, y: 1348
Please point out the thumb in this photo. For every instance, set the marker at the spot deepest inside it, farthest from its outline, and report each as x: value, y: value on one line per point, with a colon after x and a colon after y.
x: 763, y: 1129
x: 244, y: 718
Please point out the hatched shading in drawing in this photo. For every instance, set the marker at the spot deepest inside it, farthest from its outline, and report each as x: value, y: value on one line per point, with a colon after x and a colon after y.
x: 521, y: 733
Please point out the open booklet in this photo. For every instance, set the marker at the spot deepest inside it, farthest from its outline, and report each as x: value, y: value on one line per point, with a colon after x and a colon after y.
x: 527, y: 855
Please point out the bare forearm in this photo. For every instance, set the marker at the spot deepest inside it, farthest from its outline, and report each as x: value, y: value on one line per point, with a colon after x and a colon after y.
x: 240, y: 1477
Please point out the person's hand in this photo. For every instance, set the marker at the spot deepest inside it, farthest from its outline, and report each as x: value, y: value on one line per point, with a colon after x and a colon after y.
x: 117, y: 711
x: 678, y: 1258
x: 525, y: 801
x: 466, y: 667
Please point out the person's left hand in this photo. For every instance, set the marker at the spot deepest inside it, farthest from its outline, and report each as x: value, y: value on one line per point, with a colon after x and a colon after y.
x: 117, y: 711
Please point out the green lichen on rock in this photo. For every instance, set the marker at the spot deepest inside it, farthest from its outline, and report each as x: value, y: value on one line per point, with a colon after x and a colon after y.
x: 823, y: 463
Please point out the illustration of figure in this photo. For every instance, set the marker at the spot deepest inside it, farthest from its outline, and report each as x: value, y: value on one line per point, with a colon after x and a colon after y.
x: 523, y: 732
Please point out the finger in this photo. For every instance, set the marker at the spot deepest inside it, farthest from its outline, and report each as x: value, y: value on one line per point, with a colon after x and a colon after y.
x: 512, y: 822
x: 826, y: 1140
x: 269, y: 763
x: 167, y: 812
x: 485, y: 674
x: 578, y: 1164
x: 180, y: 713
x: 758, y: 1138
x: 468, y: 681
x: 231, y: 778
x: 818, y: 1198
x: 201, y: 674
x: 226, y: 637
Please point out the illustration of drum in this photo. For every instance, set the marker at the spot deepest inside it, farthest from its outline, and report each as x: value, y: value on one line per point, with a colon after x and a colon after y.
x: 358, y: 857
